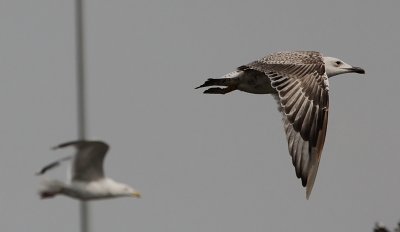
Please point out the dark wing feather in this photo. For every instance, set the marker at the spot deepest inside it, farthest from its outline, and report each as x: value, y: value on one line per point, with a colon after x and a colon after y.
x: 53, y: 165
x: 88, y: 162
x: 303, y: 98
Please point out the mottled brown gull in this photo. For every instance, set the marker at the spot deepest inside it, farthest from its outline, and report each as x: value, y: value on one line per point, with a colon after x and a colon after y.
x: 299, y: 82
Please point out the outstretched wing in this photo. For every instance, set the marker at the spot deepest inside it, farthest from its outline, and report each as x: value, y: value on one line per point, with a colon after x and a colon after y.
x: 303, y: 96
x: 88, y: 162
x: 53, y: 165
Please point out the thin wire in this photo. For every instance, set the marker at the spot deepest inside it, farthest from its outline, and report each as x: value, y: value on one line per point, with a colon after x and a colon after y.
x: 81, y: 100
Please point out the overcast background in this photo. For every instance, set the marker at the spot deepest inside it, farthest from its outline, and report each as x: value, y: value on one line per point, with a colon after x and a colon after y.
x: 203, y: 163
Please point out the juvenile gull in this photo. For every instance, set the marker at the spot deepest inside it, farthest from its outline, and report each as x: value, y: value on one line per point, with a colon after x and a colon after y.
x: 299, y: 82
x: 88, y: 181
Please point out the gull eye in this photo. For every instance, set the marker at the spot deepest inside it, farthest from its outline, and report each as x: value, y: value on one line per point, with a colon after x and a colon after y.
x: 338, y: 62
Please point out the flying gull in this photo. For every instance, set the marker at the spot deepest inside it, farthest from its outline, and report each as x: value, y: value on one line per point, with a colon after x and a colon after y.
x: 88, y: 181
x: 299, y: 82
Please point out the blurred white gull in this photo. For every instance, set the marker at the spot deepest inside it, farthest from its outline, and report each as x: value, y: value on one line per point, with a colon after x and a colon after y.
x: 299, y: 83
x: 88, y: 181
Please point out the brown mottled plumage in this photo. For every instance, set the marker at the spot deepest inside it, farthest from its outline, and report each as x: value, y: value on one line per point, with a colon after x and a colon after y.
x: 299, y: 82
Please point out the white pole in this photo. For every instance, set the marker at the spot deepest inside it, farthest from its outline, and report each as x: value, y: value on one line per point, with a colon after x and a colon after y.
x: 81, y: 100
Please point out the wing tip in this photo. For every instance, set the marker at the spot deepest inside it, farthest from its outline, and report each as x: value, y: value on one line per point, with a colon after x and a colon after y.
x: 66, y: 144
x: 39, y: 173
x: 55, y: 147
x: 308, y: 193
x: 78, y: 143
x: 311, y: 179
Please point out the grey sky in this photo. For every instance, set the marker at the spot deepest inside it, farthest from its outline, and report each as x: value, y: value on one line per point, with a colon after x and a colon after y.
x: 202, y: 163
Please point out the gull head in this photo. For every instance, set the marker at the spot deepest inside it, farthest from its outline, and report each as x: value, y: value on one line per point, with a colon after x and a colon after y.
x: 130, y: 192
x: 335, y: 66
x: 123, y: 190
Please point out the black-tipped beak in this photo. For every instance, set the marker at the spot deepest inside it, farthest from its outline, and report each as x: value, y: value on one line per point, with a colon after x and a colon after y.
x: 357, y: 70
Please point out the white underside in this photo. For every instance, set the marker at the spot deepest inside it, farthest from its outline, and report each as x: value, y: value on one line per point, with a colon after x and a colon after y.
x: 90, y: 190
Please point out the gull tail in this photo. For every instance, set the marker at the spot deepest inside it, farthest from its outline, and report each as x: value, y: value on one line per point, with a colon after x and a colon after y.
x: 50, y: 188
x: 229, y: 80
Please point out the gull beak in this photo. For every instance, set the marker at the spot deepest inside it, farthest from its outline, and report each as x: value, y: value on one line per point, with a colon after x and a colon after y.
x: 136, y: 195
x: 356, y: 70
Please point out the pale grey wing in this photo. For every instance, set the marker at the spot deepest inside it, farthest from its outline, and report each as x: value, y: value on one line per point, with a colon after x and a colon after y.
x: 88, y: 162
x: 302, y: 93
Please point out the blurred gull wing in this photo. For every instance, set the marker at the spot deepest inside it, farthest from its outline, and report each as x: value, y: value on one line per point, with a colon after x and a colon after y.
x: 88, y: 162
x: 53, y: 165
